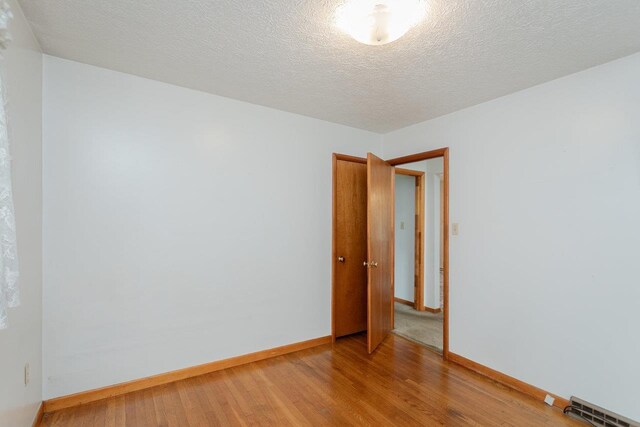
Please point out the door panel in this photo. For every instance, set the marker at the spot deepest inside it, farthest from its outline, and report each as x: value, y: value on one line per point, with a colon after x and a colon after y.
x: 350, y: 228
x: 380, y: 240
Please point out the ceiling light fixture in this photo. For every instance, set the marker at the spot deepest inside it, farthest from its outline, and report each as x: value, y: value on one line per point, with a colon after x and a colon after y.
x: 377, y: 22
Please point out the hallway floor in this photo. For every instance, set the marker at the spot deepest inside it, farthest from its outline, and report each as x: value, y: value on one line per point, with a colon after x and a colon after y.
x: 421, y: 326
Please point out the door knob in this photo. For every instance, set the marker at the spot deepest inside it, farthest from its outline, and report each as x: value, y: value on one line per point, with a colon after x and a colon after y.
x: 366, y: 264
x: 373, y: 264
x: 340, y: 259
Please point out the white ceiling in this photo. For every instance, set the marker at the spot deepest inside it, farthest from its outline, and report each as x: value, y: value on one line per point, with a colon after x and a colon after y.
x: 286, y: 54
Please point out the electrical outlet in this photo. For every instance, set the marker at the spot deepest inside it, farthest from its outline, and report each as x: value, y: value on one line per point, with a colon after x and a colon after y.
x: 549, y: 400
x: 27, y: 374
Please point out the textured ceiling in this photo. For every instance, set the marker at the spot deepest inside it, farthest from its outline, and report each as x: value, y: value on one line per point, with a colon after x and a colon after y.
x: 286, y: 54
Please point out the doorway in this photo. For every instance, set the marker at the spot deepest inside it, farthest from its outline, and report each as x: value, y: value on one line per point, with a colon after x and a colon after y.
x: 371, y: 276
x: 418, y: 279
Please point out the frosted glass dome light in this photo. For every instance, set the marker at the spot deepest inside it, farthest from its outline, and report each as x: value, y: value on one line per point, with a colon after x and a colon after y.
x: 377, y: 22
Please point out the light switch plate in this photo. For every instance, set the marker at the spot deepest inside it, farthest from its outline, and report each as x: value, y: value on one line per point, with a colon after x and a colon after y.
x: 454, y: 228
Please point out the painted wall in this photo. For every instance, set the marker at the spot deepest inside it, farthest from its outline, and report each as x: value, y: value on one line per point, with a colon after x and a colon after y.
x: 180, y: 227
x: 21, y: 343
x: 545, y: 186
x: 432, y: 232
x: 405, y: 211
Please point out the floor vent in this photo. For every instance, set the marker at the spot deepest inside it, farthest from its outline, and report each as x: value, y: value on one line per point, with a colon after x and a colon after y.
x: 598, y: 416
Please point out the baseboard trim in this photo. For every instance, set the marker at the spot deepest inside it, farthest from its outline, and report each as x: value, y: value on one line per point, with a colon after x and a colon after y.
x: 83, y: 397
x: 506, y: 380
x: 404, y: 301
x: 38, y: 419
x: 412, y: 304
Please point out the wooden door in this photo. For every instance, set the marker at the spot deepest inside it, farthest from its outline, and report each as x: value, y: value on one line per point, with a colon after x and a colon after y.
x: 350, y: 248
x: 380, y: 241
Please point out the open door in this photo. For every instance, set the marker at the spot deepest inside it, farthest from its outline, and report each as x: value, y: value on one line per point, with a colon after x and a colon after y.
x: 380, y: 241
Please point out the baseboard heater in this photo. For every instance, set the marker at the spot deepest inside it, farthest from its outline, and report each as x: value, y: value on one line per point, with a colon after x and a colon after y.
x: 596, y: 415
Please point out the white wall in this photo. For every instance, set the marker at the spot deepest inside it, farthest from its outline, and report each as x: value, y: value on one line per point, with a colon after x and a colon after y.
x: 545, y: 185
x: 180, y: 227
x: 404, y: 263
x: 22, y: 342
x: 432, y: 232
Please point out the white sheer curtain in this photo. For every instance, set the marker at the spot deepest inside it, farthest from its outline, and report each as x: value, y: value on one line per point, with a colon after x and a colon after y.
x: 9, y: 293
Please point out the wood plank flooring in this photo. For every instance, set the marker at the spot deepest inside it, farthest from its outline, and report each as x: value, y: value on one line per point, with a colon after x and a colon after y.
x: 402, y: 383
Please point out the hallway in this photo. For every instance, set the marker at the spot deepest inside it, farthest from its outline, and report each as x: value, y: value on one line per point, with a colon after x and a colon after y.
x: 421, y: 326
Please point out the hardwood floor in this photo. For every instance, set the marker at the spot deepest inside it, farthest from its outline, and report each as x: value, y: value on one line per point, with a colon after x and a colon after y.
x: 402, y: 383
